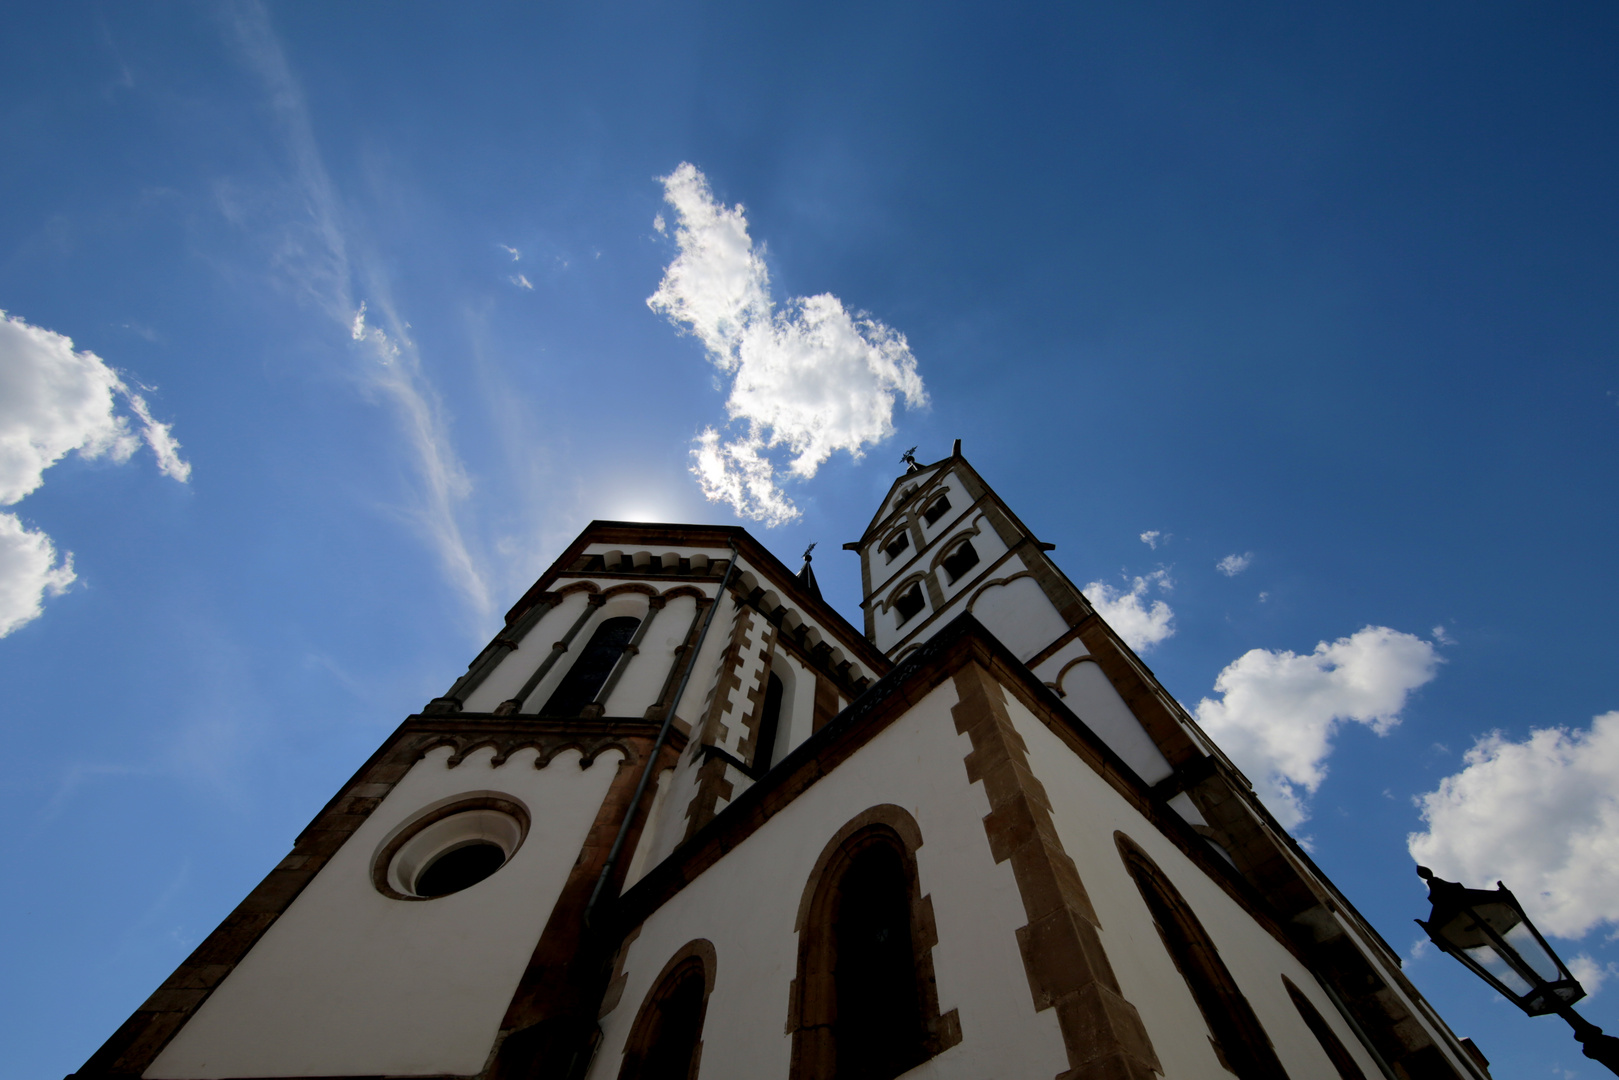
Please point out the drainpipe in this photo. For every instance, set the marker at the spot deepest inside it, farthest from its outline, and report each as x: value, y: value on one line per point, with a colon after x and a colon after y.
x: 657, y: 747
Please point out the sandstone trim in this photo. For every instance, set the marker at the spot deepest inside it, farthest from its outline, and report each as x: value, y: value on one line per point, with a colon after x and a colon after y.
x: 1061, y: 944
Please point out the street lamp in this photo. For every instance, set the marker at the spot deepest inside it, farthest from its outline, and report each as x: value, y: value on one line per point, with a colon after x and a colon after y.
x: 1488, y: 930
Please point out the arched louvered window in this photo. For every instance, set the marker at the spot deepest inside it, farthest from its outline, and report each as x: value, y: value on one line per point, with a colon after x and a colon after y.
x: 585, y: 679
x: 1346, y: 1065
x: 1238, y: 1038
x: 665, y: 1041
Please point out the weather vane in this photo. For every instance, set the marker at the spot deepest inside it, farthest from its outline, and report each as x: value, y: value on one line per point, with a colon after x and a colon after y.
x: 807, y: 552
x: 909, y: 458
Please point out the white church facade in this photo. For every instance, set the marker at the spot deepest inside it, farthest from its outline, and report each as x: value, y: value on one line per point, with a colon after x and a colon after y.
x: 680, y: 819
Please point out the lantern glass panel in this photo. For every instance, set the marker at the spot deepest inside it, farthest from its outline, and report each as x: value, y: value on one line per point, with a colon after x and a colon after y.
x: 1528, y: 946
x: 1485, y: 956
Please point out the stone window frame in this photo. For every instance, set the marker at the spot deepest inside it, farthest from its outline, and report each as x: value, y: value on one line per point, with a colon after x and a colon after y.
x: 453, y: 806
x: 942, y: 497
x: 1200, y: 960
x: 811, y: 1006
x: 696, y: 955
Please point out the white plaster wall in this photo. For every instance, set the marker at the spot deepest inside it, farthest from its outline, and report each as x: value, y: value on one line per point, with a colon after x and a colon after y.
x: 746, y: 905
x: 666, y: 824
x: 1087, y: 690
x: 1018, y: 613
x: 692, y: 703
x: 348, y: 982
x: 509, y: 676
x: 1049, y: 670
x: 1087, y: 811
x: 641, y: 856
x: 909, y: 481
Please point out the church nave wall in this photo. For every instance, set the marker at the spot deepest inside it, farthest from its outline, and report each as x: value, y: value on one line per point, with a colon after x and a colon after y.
x: 349, y: 981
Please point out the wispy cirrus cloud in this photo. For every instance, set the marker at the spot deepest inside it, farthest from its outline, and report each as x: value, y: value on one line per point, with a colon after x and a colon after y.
x: 1232, y: 565
x: 1278, y: 711
x: 314, y: 250
x: 808, y: 378
x: 55, y: 401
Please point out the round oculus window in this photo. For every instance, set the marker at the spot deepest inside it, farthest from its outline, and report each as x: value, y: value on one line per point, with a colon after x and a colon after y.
x: 450, y: 848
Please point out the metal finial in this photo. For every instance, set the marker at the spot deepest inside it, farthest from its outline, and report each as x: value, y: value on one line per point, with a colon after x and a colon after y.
x: 909, y: 457
x: 807, y: 551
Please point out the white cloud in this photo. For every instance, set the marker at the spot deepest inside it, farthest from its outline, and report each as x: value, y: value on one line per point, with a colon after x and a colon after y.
x: 809, y: 377
x: 1441, y: 636
x: 313, y: 252
x: 1232, y: 565
x: 1151, y: 538
x: 522, y: 282
x: 53, y: 402
x: 1541, y: 815
x: 1590, y: 973
x: 513, y: 252
x: 28, y: 570
x: 1142, y: 623
x: 1278, y: 711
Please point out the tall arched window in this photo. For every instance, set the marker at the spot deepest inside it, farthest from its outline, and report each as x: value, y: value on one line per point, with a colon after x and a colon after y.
x: 764, y: 750
x: 865, y: 1006
x: 1238, y: 1038
x: 665, y: 1041
x: 585, y: 679
x: 1346, y: 1065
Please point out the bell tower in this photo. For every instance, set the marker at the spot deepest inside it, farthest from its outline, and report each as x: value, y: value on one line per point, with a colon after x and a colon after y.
x: 943, y: 544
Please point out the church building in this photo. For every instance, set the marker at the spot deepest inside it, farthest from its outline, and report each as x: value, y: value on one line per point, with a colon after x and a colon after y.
x: 680, y: 819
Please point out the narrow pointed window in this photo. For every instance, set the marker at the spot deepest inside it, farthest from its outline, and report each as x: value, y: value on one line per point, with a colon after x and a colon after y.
x: 1342, y: 1060
x: 665, y: 1041
x: 585, y: 679
x: 769, y: 722
x: 1238, y: 1039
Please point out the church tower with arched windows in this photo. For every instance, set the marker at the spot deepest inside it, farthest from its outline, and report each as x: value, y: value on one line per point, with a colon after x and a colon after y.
x: 680, y: 819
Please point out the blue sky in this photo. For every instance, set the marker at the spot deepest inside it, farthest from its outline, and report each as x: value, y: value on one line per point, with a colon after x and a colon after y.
x: 1328, y: 289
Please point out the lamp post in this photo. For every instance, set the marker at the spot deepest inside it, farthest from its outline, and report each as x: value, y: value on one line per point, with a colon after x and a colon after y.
x: 1488, y: 930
